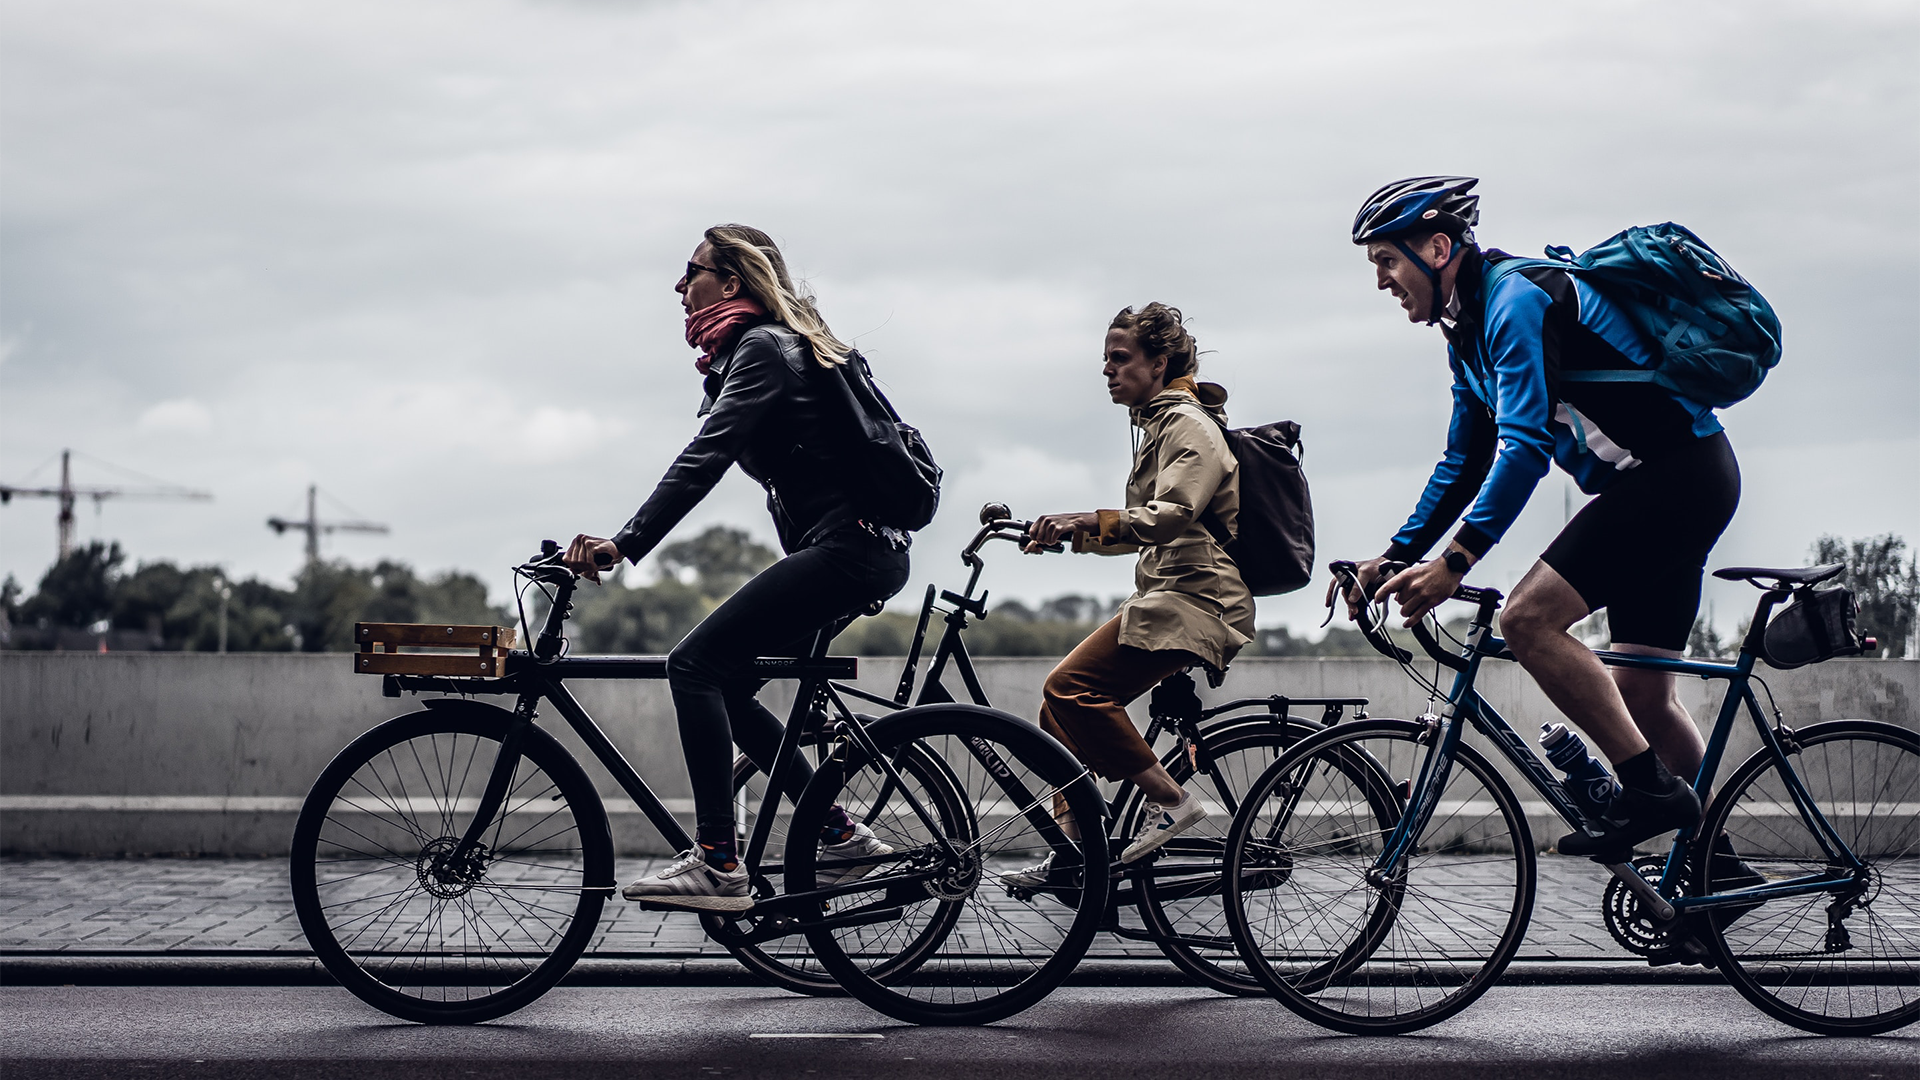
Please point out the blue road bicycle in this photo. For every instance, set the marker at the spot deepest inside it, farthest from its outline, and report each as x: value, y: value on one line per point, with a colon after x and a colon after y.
x: 1408, y: 861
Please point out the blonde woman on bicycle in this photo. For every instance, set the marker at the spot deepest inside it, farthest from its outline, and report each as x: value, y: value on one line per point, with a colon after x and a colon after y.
x: 1189, y: 604
x: 769, y: 368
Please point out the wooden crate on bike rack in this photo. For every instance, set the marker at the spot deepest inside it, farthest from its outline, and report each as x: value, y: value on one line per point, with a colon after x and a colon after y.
x: 482, y: 649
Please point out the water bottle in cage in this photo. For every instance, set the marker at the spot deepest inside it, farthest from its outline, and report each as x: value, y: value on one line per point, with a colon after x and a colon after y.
x: 1588, y: 783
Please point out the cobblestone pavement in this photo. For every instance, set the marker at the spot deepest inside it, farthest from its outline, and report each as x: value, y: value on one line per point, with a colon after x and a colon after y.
x: 188, y: 907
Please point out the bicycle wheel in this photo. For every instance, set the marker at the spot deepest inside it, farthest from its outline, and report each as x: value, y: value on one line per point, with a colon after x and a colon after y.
x: 411, y: 934
x: 990, y: 950
x: 788, y: 961
x: 1844, y: 961
x: 1179, y: 892
x: 1366, y: 952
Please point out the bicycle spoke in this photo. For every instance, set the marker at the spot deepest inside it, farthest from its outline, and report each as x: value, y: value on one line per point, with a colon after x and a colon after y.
x: 1362, y: 949
x: 1846, y: 959
x: 399, y: 917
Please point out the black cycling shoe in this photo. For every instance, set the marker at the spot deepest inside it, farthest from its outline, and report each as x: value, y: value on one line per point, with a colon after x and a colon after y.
x: 1635, y: 816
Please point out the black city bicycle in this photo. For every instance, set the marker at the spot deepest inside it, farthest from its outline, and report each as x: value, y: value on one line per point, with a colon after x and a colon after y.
x: 1177, y: 893
x: 450, y: 865
x: 1409, y: 863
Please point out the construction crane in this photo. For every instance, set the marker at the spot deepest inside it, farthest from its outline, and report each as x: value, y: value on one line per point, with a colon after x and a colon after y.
x: 313, y: 526
x: 68, y: 495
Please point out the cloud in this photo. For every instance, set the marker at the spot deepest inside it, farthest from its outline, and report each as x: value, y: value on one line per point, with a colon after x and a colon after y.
x: 555, y: 435
x: 423, y: 254
x: 179, y: 416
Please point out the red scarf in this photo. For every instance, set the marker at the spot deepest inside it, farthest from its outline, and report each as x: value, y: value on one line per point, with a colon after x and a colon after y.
x: 716, y: 326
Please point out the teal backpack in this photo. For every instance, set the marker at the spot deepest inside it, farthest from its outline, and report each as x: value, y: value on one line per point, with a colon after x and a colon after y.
x: 1714, y: 337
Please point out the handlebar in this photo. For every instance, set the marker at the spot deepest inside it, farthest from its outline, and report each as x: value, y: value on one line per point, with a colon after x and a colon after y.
x: 549, y: 567
x: 1004, y: 528
x: 1348, y: 574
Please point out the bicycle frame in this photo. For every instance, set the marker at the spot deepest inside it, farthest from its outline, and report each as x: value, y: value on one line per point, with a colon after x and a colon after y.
x: 951, y: 651
x: 541, y: 675
x: 1464, y: 703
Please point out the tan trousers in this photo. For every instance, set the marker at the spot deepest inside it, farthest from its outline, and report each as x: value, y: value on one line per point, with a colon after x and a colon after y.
x: 1086, y: 696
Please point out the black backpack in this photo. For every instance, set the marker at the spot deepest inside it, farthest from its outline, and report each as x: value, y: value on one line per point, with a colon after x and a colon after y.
x: 1274, y: 548
x: 902, y: 477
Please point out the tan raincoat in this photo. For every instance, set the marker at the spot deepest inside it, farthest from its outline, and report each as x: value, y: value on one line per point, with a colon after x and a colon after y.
x: 1187, y: 593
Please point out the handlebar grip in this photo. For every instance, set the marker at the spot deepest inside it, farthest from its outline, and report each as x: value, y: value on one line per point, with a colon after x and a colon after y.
x: 602, y: 560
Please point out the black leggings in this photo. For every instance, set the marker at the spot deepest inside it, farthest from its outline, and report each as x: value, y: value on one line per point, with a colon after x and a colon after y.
x: 774, y: 614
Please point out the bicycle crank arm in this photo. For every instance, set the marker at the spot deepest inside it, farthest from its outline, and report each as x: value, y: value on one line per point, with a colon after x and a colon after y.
x: 1657, y: 905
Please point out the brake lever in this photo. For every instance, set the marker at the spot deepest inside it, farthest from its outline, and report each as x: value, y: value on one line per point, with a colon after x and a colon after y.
x: 1370, y: 628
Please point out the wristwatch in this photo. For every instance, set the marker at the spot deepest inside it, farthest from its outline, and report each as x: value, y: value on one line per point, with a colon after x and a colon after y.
x: 1458, y: 562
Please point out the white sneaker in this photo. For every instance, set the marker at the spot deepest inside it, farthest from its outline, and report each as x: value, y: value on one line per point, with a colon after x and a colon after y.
x: 1033, y: 877
x: 1161, y: 824
x: 862, y: 844
x: 690, y: 883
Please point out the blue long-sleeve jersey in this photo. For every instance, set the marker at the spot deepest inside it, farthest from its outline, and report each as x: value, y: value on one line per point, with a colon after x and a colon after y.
x: 1513, y: 415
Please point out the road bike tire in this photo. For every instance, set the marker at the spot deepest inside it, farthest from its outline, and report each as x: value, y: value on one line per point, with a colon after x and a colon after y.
x: 995, y: 952
x: 789, y: 962
x: 1816, y: 960
x: 1402, y: 953
x: 1179, y: 891
x: 412, y: 937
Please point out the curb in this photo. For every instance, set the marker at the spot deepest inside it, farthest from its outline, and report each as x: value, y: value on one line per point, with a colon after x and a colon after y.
x: 228, y: 969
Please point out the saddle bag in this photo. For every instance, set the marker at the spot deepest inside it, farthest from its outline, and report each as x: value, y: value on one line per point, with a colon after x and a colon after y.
x: 1815, y: 626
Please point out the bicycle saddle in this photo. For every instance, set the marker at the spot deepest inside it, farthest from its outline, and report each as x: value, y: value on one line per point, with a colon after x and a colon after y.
x: 1797, y: 575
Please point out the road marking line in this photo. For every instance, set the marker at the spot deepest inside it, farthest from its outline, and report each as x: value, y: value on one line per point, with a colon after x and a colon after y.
x: 808, y: 1035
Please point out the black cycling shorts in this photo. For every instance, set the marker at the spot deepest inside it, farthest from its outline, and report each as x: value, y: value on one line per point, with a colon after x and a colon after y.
x: 1638, y: 549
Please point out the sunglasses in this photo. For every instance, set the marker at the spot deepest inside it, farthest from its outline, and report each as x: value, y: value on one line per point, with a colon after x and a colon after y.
x: 695, y: 268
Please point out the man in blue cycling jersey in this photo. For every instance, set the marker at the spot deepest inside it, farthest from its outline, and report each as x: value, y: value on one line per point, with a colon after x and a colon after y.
x: 1663, y: 476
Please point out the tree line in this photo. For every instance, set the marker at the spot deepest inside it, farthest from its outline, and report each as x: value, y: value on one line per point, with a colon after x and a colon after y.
x: 90, y: 600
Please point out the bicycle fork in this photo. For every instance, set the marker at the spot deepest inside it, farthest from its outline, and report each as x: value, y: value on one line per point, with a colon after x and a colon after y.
x: 465, y: 863
x: 1420, y: 798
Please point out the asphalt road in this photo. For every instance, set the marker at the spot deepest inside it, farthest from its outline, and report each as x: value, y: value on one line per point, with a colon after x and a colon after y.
x: 1640, y: 1032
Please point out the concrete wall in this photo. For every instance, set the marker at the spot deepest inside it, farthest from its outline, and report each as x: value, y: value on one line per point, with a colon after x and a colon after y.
x: 197, y: 753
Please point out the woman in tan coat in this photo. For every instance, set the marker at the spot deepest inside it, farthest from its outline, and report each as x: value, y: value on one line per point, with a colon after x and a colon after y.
x: 1189, y: 604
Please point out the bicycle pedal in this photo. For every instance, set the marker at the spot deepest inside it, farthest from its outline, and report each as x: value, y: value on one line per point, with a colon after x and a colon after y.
x: 1689, y: 953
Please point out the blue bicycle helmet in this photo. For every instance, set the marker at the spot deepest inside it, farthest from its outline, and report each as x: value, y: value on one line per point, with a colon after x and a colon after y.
x: 1421, y: 204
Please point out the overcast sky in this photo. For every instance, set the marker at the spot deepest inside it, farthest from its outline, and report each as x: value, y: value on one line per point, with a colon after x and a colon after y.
x: 422, y: 254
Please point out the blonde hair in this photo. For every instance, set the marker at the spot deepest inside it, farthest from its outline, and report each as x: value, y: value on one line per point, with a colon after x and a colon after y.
x: 751, y: 255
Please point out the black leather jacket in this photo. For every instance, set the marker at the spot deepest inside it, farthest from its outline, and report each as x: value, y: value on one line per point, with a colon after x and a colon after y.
x: 771, y: 409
